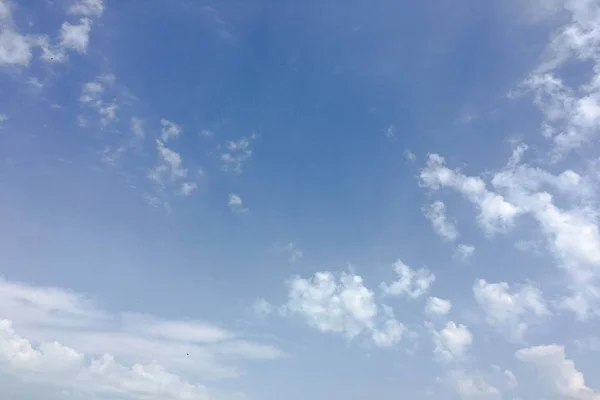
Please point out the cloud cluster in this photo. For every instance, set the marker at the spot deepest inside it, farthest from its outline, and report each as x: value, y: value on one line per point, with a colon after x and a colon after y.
x: 57, y: 337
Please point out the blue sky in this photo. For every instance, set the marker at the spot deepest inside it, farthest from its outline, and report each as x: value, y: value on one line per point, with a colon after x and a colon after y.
x: 263, y: 200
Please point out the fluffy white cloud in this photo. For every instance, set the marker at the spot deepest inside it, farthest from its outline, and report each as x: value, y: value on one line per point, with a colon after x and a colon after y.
x: 88, y: 8
x: 94, y: 94
x: 296, y: 254
x: 452, y: 342
x: 236, y: 154
x: 572, y: 235
x: 76, y: 37
x: 510, y: 311
x: 236, y: 204
x: 345, y: 307
x: 262, y: 307
x: 15, y: 48
x: 410, y: 283
x: 491, y: 384
x: 436, y: 214
x: 61, y: 366
x: 437, y: 306
x: 66, y: 341
x: 558, y: 372
x: 170, y: 165
x: 188, y: 188
x: 464, y: 252
x: 170, y: 130
x: 495, y: 213
x: 137, y: 127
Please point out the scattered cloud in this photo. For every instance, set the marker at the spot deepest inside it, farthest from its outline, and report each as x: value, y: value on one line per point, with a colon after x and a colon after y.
x: 451, y: 343
x: 436, y: 214
x: 410, y: 283
x: 510, y: 312
x: 88, y: 8
x: 170, y: 165
x: 76, y: 37
x: 262, y: 307
x: 436, y: 306
x: 410, y: 156
x: 94, y: 95
x: 236, y: 204
x: 236, y: 154
x: 170, y: 130
x: 187, y: 188
x: 295, y: 253
x: 61, y: 338
x: 3, y: 118
x: 558, y: 372
x: 492, y: 384
x: 137, y: 126
x: 342, y: 306
x: 464, y: 252
x: 389, y: 134
x: 496, y: 214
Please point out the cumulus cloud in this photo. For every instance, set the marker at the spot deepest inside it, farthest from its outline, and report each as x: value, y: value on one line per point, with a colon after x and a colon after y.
x: 95, y: 94
x: 236, y: 204
x: 88, y: 8
x: 76, y: 37
x: 170, y: 130
x: 61, y: 338
x: 342, y: 306
x: 495, y: 213
x: 492, y: 384
x: 558, y: 372
x: 262, y: 307
x: 170, y: 166
x: 137, y: 126
x: 15, y: 48
x: 436, y: 214
x: 510, y: 311
x: 437, y: 306
x: 464, y: 252
x: 295, y: 253
x: 236, y: 154
x: 411, y: 283
x: 451, y: 343
x: 187, y: 188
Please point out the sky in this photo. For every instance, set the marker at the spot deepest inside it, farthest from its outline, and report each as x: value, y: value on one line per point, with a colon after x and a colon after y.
x: 219, y: 200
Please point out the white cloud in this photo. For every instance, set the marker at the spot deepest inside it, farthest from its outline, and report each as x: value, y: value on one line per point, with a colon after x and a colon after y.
x: 94, y: 94
x: 495, y: 213
x: 345, y: 307
x: 137, y: 127
x: 67, y: 341
x: 295, y: 253
x: 58, y: 365
x: 572, y: 235
x: 436, y: 214
x: 76, y: 37
x: 451, y: 343
x: 170, y: 166
x: 464, y: 252
x: 510, y: 311
x: 170, y: 130
x: 15, y: 48
x: 236, y: 154
x: 410, y: 156
x: 188, y: 188
x: 389, y: 133
x: 412, y: 283
x: 437, y: 306
x: 470, y: 385
x: 570, y: 114
x: 236, y: 204
x: 558, y: 372
x: 262, y: 307
x: 88, y: 8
